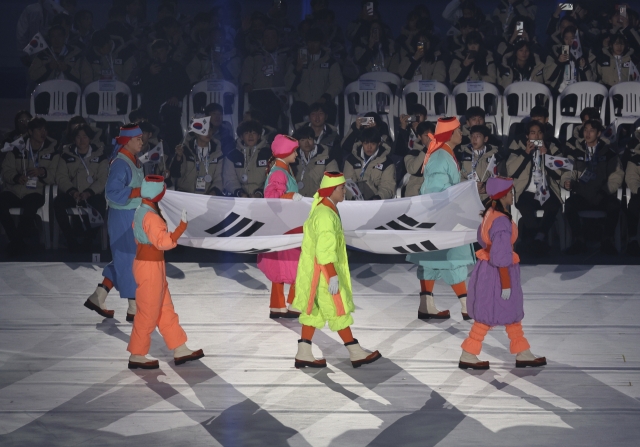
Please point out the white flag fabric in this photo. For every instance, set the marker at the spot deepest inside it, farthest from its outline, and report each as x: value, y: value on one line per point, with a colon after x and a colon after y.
x: 199, y: 125
x: 556, y: 163
x: 153, y: 156
x: 36, y: 45
x: 397, y: 226
x: 542, y: 191
x: 352, y: 187
x: 19, y: 143
x: 634, y: 75
x: 491, y: 169
x: 95, y: 218
x: 576, y: 46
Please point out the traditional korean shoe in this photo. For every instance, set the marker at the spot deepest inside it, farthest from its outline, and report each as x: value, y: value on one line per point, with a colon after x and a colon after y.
x: 131, y: 310
x: 304, y: 357
x: 359, y: 356
x: 463, y: 307
x: 526, y: 358
x: 182, y: 354
x: 428, y: 309
x: 142, y: 362
x: 283, y: 313
x: 96, y: 302
x: 470, y: 361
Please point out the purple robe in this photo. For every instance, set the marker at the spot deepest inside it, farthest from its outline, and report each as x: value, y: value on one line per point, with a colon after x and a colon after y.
x: 484, y: 302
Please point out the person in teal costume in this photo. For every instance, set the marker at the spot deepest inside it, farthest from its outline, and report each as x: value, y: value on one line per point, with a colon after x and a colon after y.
x: 441, y: 171
x: 123, y: 197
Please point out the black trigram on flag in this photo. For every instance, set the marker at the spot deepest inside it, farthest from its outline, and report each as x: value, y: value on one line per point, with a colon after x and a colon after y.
x: 416, y: 248
x: 255, y: 251
x: 234, y: 225
x: 405, y: 222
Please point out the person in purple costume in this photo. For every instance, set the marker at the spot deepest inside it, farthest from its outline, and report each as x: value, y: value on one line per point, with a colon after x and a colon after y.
x: 495, y: 294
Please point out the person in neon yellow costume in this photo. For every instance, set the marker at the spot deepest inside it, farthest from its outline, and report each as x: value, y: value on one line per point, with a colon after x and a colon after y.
x: 323, y: 282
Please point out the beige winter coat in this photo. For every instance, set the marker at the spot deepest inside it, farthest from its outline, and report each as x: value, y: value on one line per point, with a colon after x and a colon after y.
x: 632, y: 175
x: 249, y: 161
x: 72, y: 175
x: 520, y: 168
x: 379, y: 173
x: 16, y: 163
x: 309, y: 175
x: 321, y: 77
x: 185, y: 173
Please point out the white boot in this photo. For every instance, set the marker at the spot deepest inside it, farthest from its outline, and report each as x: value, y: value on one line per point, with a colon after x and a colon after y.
x: 428, y: 308
x: 96, y: 302
x: 526, y: 358
x: 305, y: 357
x: 131, y: 310
x: 142, y: 362
x: 182, y: 354
x: 463, y: 308
x: 471, y: 361
x: 283, y: 312
x: 359, y: 356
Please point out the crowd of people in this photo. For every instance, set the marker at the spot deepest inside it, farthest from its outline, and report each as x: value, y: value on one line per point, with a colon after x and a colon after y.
x: 268, y: 57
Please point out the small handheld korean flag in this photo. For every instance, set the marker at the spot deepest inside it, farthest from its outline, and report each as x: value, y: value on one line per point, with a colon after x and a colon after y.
x: 634, y: 74
x: 542, y: 192
x: 199, y: 125
x: 576, y: 46
x: 19, y: 143
x: 153, y: 156
x: 95, y: 219
x: 610, y: 132
x: 36, y: 45
x: 556, y: 163
x: 491, y: 168
x: 352, y: 187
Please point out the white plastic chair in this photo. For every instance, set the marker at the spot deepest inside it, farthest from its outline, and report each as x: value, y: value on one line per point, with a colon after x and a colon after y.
x: 527, y: 92
x: 586, y: 93
x: 475, y: 98
x: 44, y: 212
x: 630, y: 92
x: 426, y: 92
x: 215, y: 89
x: 367, y: 92
x: 58, y: 91
x: 390, y: 79
x: 107, y: 107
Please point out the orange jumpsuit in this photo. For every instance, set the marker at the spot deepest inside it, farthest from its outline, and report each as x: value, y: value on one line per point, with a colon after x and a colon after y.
x: 155, y: 308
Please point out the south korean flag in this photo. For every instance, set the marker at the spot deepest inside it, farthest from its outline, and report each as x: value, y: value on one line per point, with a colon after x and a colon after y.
x: 199, y: 126
x: 153, y: 156
x: 556, y: 163
x: 36, y: 45
x: 19, y: 143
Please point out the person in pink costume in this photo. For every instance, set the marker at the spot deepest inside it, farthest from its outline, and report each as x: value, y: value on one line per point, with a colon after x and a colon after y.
x: 281, y: 267
x: 495, y: 294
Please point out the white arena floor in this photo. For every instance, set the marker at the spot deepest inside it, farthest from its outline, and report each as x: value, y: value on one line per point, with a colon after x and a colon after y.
x: 64, y: 379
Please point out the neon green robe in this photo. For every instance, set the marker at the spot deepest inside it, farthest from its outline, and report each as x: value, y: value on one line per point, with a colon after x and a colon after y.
x: 323, y: 241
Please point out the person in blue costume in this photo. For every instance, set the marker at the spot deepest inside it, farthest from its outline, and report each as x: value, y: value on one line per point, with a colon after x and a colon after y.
x: 441, y: 170
x: 123, y: 197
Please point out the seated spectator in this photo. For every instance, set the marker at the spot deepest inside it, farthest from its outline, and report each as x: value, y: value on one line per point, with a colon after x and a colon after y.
x: 556, y: 26
x: 20, y: 122
x: 374, y: 49
x: 64, y: 63
x: 632, y: 179
x: 104, y: 61
x: 359, y: 30
x: 423, y: 63
x: 562, y: 69
x: 474, y: 159
x: 250, y: 40
x: 314, y: 160
x: 197, y: 166
x: 200, y: 35
x: 138, y: 116
x: 414, y: 160
x: 216, y: 61
x: 153, y: 165
x: 533, y: 181
x: 475, y: 63
x: 278, y: 16
x: 613, y: 65
x: 316, y: 77
x: 24, y: 175
x: 457, y: 39
x: 541, y: 115
x: 332, y: 32
x: 522, y: 64
x: 597, y: 174
x: 507, y: 8
x: 35, y: 18
x: 324, y: 133
x: 220, y: 130
x: 262, y: 71
x: 407, y: 137
x: 587, y: 114
x: 169, y: 29
x: 81, y: 178
x: 513, y: 35
x: 82, y: 30
x: 268, y: 133
x: 475, y: 116
x: 354, y: 135
x: 245, y: 167
x: 163, y: 85
x: 370, y: 166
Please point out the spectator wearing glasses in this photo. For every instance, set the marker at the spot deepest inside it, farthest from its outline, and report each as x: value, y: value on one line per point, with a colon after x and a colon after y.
x: 244, y: 168
x: 315, y: 158
x: 597, y: 174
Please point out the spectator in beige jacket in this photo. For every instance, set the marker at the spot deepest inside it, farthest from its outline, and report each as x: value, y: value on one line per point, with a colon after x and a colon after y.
x: 314, y: 160
x: 419, y: 60
x: 475, y: 157
x: 613, y: 64
x: 474, y: 63
x: 562, y: 69
x: 414, y: 160
x: 197, y: 166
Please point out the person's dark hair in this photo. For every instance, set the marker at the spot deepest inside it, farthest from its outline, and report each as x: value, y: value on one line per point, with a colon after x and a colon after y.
x: 256, y: 115
x: 384, y: 38
x: 137, y: 114
x: 618, y: 38
x: 213, y: 107
x: 417, y: 109
x: 36, y: 123
x: 75, y: 130
x: 531, y: 124
x: 81, y: 15
x: 318, y: 106
x: 539, y: 111
x: 158, y: 44
x: 595, y: 124
x: 467, y: 22
x: 162, y: 25
x: 484, y: 130
x: 249, y: 126
x: 480, y: 64
x: 146, y: 126
x: 304, y: 132
x: 58, y: 28
x: 424, y: 37
x: 569, y: 29
x: 100, y: 38
x: 474, y: 111
x: 498, y: 207
x: 591, y: 112
x: 61, y: 20
x: 129, y: 126
x: 314, y: 35
x: 18, y: 115
x: 74, y: 121
x: 531, y: 61
x: 370, y: 135
x: 425, y: 126
x: 271, y: 28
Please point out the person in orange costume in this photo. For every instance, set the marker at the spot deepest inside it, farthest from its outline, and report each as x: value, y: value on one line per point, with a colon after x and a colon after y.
x: 154, y: 305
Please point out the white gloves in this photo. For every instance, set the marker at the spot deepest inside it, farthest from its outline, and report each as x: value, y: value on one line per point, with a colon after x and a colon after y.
x: 334, y: 285
x: 506, y: 294
x: 297, y: 197
x: 184, y: 216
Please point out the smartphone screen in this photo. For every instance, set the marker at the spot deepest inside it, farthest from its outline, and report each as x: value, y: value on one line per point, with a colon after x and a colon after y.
x: 370, y: 8
x: 520, y: 28
x: 420, y: 46
x: 565, y: 49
